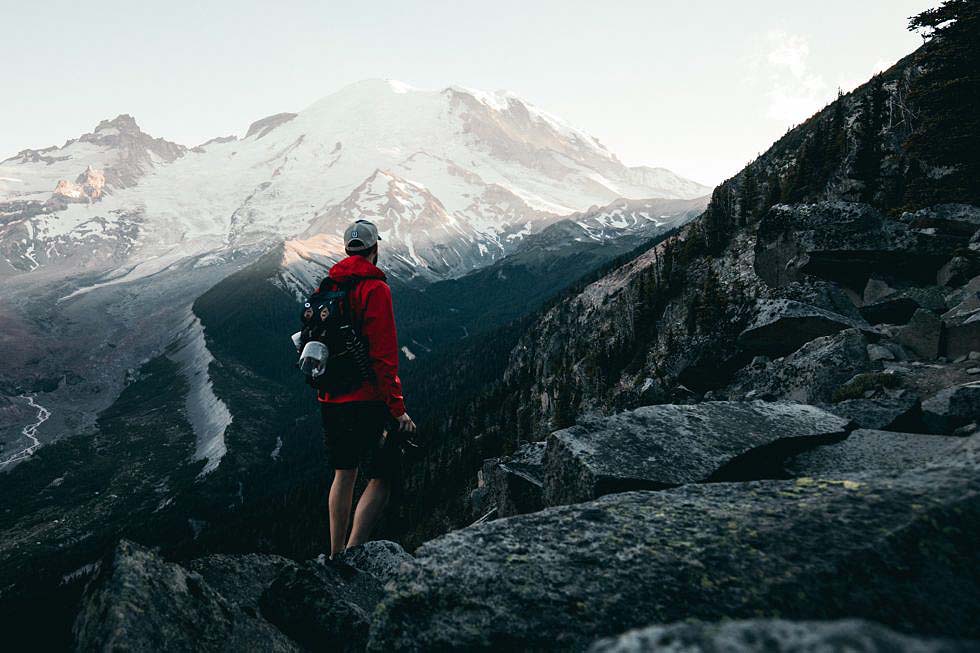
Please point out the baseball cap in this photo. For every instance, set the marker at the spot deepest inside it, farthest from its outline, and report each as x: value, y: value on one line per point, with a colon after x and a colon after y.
x: 360, y: 236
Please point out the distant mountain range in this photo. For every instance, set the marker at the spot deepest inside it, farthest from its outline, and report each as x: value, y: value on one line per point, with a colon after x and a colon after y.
x: 454, y: 178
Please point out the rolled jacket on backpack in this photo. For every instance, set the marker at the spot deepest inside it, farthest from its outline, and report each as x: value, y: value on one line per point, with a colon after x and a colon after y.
x: 374, y: 318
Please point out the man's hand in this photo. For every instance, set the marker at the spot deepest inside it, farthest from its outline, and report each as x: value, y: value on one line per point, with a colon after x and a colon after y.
x: 405, y: 423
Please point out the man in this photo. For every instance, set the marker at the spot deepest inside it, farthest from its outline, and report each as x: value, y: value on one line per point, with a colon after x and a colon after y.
x: 355, y: 423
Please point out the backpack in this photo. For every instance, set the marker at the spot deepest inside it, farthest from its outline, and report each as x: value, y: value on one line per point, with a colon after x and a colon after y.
x: 327, y: 319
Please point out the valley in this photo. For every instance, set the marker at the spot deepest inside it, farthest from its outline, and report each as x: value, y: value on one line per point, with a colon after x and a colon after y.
x: 653, y: 413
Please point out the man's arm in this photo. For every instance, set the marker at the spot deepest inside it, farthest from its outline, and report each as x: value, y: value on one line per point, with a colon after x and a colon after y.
x: 378, y: 327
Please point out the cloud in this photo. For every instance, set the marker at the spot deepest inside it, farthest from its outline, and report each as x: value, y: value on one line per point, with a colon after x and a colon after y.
x: 789, y: 51
x: 795, y: 91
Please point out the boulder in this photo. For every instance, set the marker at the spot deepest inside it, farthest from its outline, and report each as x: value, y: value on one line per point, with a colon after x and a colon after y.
x: 951, y: 408
x: 956, y: 272
x: 878, y: 288
x: 896, y: 413
x: 324, y: 607
x: 782, y: 326
x: 139, y: 602
x: 811, y: 374
x: 517, y: 481
x: 957, y: 220
x: 867, y: 449
x: 241, y: 579
x: 899, y: 306
x: 379, y: 558
x: 897, y: 549
x: 845, y: 242
x: 656, y: 447
x: 822, y: 294
x: 878, y: 352
x: 963, y: 336
x: 776, y: 636
x: 961, y: 324
x: 921, y: 334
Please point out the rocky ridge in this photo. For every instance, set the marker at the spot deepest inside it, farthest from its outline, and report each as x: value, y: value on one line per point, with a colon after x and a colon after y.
x: 719, y: 474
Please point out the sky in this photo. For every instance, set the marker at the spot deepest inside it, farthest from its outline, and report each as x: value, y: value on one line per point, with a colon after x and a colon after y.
x: 699, y: 87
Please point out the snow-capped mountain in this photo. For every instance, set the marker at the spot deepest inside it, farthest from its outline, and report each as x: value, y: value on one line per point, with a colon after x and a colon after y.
x: 637, y: 216
x: 453, y: 178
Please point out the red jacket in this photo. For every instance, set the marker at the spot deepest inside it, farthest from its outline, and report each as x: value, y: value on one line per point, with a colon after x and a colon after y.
x: 373, y: 316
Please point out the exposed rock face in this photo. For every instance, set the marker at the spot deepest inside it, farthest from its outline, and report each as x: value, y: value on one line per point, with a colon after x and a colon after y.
x: 951, y: 408
x: 846, y: 242
x: 897, y: 413
x: 811, y: 374
x: 958, y: 220
x: 323, y: 607
x: 656, y: 447
x: 782, y: 326
x: 884, y: 304
x: 797, y: 549
x: 962, y: 322
x: 241, y: 579
x: 957, y: 272
x: 379, y: 558
x: 141, y: 603
x: 516, y: 483
x: 86, y: 188
x: 234, y: 602
x: 868, y: 450
x: 921, y: 334
x: 776, y: 636
x: 263, y: 126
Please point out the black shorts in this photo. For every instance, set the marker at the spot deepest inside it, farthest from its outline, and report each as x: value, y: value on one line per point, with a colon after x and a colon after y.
x: 354, y: 435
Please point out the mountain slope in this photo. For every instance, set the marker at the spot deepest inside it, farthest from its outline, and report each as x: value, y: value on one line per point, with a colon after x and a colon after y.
x: 495, y: 166
x: 838, y: 203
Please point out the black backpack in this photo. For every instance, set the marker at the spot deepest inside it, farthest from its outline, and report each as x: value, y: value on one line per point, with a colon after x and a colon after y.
x: 327, y: 318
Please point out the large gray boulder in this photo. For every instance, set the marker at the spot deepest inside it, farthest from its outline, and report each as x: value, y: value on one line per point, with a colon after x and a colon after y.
x: 958, y: 220
x: 900, y: 550
x: 961, y: 323
x: 952, y: 408
x: 782, y: 326
x: 884, y: 304
x: 379, y: 558
x: 846, y: 242
x: 867, y: 450
x: 777, y: 636
x: 822, y: 294
x: 900, y: 412
x: 241, y: 579
x: 656, y: 447
x: 809, y: 375
x: 517, y: 481
x: 957, y: 271
x: 922, y: 333
x: 324, y: 607
x: 139, y: 602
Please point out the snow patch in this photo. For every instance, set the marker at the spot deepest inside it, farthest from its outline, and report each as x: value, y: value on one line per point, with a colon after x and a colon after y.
x: 208, y: 415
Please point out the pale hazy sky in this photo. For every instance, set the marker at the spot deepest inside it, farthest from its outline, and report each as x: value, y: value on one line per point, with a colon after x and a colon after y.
x: 698, y: 86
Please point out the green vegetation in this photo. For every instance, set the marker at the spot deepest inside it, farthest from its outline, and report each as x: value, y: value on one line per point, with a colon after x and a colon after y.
x: 946, y: 98
x: 862, y: 383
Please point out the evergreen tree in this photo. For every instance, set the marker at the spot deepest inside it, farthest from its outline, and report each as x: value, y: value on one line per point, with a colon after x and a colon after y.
x: 837, y: 123
x: 868, y: 158
x: 774, y: 191
x: 749, y: 196
x: 946, y: 97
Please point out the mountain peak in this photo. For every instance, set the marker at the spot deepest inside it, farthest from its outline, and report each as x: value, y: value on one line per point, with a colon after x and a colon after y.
x: 122, y: 122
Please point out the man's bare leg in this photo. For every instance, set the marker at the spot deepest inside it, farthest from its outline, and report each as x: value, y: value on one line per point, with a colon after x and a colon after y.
x: 369, y: 508
x: 341, y: 496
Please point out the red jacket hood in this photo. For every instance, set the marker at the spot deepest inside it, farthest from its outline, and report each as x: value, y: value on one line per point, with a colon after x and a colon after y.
x: 355, y: 267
